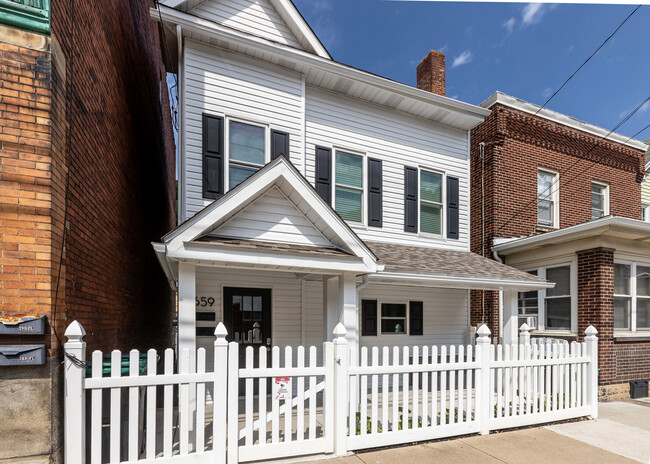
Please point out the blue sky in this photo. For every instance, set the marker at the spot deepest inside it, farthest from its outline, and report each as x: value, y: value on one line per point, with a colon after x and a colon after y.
x: 525, y: 50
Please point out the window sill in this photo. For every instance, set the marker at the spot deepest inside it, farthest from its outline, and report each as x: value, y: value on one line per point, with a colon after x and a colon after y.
x: 541, y: 228
x: 564, y: 334
x: 632, y: 337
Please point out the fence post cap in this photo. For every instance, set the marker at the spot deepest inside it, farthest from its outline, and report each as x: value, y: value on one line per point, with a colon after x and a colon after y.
x: 75, y: 331
x: 339, y: 331
x: 591, y: 331
x: 221, y: 331
x: 483, y: 331
x: 524, y: 327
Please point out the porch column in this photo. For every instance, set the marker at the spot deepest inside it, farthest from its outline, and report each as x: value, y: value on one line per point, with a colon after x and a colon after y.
x: 187, y: 311
x: 510, y: 317
x: 348, y: 311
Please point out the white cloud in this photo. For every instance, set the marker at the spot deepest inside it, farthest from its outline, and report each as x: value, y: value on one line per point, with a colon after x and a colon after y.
x: 463, y: 58
x: 643, y: 109
x: 510, y: 24
x: 532, y: 13
x: 547, y: 92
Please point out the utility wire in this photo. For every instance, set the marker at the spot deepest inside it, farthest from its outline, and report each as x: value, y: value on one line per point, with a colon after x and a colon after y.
x: 587, y: 60
x: 549, y: 189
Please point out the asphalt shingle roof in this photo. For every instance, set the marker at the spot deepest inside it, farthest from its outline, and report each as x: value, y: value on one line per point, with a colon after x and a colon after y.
x: 404, y: 258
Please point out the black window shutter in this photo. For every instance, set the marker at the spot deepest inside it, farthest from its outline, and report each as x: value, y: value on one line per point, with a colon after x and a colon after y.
x: 279, y: 144
x: 213, y: 171
x: 324, y: 173
x: 374, y: 193
x: 410, y: 199
x: 369, y: 317
x: 416, y: 313
x: 452, y: 207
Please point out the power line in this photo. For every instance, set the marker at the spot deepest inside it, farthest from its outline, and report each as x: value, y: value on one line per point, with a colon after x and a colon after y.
x: 587, y: 60
x: 623, y: 121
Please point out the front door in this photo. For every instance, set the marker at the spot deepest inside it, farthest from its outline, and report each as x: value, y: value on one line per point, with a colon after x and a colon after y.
x: 247, y: 316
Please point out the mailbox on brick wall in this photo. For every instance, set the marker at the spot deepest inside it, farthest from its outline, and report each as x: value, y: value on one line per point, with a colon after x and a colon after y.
x: 22, y: 325
x: 22, y: 355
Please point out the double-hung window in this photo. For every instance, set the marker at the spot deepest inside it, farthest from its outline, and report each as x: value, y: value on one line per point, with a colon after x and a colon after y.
x: 349, y: 186
x: 431, y: 202
x: 631, y: 296
x: 557, y: 302
x: 528, y: 303
x: 393, y: 318
x: 246, y: 151
x: 599, y: 200
x: 547, y: 198
x: 550, y: 309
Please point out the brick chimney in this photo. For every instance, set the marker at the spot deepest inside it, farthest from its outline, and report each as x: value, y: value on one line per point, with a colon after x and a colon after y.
x: 431, y: 73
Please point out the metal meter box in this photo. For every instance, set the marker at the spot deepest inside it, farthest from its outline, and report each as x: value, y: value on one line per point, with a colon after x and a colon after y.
x: 22, y: 325
x: 22, y: 355
x: 639, y: 389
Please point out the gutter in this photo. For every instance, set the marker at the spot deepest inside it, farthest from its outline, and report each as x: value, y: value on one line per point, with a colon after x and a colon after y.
x: 161, y: 254
x: 308, y: 59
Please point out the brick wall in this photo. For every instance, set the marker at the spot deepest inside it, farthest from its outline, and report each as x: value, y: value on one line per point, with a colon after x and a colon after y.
x: 121, y: 162
x: 32, y: 167
x: 595, y: 304
x: 516, y: 145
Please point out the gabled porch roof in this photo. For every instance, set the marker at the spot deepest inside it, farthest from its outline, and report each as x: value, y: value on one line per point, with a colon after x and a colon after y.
x: 206, y: 238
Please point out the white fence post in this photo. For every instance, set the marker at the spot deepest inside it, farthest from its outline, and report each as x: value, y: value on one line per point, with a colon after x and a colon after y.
x: 340, y: 390
x: 591, y: 342
x: 75, y: 400
x: 219, y: 400
x: 233, y: 403
x: 524, y: 334
x: 483, y: 392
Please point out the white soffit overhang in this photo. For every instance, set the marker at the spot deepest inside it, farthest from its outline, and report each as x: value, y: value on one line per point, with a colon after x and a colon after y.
x: 454, y: 281
x: 331, y: 75
x: 180, y: 244
x: 611, y: 226
x: 526, y: 107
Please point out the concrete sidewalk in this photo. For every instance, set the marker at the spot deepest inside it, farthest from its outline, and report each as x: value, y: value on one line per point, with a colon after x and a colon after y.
x: 530, y: 446
x: 620, y: 435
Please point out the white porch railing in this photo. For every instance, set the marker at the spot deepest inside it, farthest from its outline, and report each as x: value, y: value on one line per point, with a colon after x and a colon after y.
x: 391, y: 396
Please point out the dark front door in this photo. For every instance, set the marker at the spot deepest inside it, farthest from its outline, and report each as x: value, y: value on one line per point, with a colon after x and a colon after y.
x: 247, y: 315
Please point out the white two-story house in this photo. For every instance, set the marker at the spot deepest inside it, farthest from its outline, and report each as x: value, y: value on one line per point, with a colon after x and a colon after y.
x: 312, y: 193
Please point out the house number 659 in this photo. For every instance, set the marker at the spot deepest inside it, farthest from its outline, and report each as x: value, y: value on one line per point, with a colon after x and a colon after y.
x: 203, y: 301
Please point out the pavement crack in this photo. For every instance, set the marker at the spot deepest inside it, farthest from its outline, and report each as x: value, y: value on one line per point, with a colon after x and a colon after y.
x: 482, y: 451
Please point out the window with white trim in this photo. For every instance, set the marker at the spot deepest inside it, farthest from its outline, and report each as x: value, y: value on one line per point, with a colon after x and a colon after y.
x: 246, y: 151
x: 645, y: 213
x: 349, y: 186
x: 599, y: 200
x: 393, y: 318
x: 431, y: 210
x: 529, y: 306
x: 547, y: 198
x: 631, y: 297
x: 553, y: 308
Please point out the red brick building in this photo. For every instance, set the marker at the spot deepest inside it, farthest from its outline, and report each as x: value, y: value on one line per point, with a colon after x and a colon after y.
x: 561, y: 198
x: 87, y: 182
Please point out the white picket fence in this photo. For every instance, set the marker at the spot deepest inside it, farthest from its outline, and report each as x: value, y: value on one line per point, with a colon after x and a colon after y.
x: 391, y: 396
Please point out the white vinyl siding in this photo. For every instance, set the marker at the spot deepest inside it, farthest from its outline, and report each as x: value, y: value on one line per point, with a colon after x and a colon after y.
x: 444, y: 317
x: 224, y: 84
x: 255, y: 17
x: 398, y: 140
x: 273, y: 218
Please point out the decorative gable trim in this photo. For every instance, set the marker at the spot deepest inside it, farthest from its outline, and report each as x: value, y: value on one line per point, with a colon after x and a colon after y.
x: 277, y: 172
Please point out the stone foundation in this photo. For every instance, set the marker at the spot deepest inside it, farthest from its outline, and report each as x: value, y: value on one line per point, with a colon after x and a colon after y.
x: 613, y: 392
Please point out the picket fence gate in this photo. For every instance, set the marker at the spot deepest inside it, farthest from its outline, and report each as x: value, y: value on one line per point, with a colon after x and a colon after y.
x: 340, y: 404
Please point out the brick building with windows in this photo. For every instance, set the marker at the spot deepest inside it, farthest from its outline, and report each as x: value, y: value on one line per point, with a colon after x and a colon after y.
x: 86, y: 182
x: 559, y: 198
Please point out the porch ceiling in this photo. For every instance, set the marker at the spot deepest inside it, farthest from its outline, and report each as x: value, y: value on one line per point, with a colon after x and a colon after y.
x: 448, y: 268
